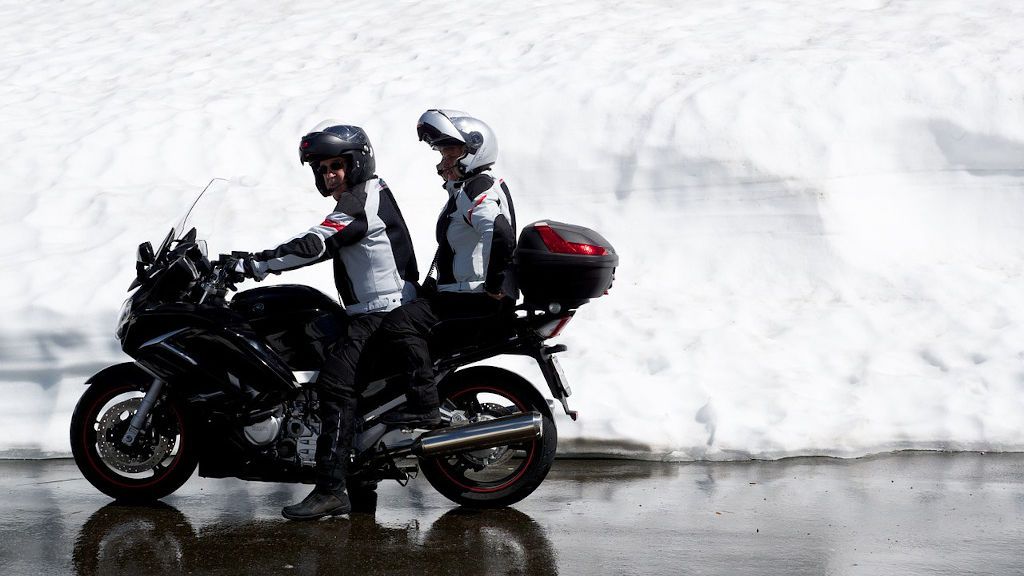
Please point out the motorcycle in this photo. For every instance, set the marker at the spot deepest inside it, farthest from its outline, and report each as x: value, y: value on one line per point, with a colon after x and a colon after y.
x: 228, y: 385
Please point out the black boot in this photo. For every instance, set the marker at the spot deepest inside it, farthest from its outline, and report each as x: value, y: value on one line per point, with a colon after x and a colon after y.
x: 412, y: 418
x: 333, y: 445
x: 317, y: 505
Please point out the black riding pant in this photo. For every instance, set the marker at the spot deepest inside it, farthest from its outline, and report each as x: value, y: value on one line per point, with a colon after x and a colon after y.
x: 338, y: 393
x: 402, y: 343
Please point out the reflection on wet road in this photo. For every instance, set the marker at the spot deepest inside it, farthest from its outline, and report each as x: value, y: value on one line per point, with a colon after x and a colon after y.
x: 161, y: 540
x: 900, y: 514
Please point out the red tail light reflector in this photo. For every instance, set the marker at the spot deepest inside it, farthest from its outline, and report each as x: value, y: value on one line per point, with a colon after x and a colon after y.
x: 558, y: 245
x: 553, y: 328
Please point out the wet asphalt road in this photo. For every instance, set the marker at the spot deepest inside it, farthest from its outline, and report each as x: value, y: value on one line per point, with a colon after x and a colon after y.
x: 911, y: 513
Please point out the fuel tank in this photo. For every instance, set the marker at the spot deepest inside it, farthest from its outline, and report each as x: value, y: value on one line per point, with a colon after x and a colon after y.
x: 299, y: 323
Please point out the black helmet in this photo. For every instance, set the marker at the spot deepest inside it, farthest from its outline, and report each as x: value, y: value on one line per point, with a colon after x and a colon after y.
x: 329, y: 140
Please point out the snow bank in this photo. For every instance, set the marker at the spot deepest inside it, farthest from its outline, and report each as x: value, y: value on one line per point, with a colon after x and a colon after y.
x: 817, y: 207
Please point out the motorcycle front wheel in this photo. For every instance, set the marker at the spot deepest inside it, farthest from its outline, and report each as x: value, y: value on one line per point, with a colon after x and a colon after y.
x: 500, y: 476
x: 163, y: 456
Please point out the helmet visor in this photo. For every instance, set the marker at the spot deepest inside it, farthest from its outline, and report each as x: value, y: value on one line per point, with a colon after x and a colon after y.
x: 437, y: 130
x: 321, y: 145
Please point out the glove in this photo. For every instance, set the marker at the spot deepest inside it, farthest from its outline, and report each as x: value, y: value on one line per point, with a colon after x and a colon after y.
x: 249, y: 267
x: 228, y: 265
x: 240, y: 266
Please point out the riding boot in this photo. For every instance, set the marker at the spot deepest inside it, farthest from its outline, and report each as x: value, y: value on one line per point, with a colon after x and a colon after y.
x: 317, y: 505
x: 333, y: 445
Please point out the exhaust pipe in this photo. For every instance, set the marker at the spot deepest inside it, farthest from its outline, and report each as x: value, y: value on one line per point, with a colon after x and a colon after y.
x: 487, y: 434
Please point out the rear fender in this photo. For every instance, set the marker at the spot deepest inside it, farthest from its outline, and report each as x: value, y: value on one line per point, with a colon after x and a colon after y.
x: 549, y: 367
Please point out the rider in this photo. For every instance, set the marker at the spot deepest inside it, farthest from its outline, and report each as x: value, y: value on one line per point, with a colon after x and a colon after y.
x: 474, y: 284
x: 374, y: 271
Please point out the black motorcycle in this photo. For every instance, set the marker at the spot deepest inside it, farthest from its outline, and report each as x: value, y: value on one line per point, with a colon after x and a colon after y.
x: 229, y: 384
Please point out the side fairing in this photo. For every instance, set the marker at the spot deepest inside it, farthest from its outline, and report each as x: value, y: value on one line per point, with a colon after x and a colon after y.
x: 208, y: 354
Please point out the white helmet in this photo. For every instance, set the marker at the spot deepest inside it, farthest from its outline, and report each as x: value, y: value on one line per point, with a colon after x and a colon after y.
x: 452, y: 127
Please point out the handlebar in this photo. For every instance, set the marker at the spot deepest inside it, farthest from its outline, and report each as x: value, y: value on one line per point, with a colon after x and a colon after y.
x: 221, y: 278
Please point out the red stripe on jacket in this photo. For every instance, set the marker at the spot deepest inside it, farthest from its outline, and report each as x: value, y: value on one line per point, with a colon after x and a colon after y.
x: 332, y: 224
x: 477, y: 203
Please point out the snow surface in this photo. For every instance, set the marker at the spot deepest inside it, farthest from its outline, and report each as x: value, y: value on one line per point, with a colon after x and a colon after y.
x: 817, y: 205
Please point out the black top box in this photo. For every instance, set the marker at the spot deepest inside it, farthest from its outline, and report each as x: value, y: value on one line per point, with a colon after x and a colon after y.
x: 564, y: 264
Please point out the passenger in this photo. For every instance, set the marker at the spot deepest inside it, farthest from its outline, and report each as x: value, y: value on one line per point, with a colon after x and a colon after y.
x: 374, y: 271
x: 476, y: 238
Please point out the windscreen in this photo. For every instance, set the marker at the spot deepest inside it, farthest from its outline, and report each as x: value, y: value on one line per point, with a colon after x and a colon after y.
x: 200, y: 214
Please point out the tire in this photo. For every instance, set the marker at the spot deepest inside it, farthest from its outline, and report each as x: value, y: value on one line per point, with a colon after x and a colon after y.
x: 163, y: 458
x: 493, y: 477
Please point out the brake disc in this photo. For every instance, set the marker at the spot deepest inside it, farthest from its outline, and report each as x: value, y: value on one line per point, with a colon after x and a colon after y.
x: 149, y: 449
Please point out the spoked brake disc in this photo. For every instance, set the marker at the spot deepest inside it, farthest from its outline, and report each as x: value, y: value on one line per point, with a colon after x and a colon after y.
x: 149, y: 450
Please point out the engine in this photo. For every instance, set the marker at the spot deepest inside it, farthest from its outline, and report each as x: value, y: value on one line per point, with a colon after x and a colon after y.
x: 291, y: 433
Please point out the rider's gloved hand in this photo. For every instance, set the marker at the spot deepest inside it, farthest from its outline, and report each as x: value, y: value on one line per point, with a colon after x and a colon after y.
x: 247, y: 265
x: 241, y: 266
x: 229, y: 265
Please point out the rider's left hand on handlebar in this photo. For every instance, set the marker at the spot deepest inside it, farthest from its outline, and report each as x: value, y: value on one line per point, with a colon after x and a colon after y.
x: 249, y: 268
x: 229, y: 266
x: 238, y: 267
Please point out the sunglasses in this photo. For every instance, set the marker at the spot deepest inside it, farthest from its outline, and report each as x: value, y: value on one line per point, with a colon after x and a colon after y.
x: 332, y: 167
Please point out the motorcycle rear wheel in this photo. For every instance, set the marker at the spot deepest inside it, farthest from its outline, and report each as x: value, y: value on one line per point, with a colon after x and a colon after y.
x: 492, y: 477
x: 162, y: 458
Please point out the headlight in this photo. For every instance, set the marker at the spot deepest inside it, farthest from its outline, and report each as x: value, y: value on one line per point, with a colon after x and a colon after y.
x: 122, y: 318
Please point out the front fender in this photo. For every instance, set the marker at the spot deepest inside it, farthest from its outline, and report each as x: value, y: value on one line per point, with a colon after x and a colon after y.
x: 124, y: 372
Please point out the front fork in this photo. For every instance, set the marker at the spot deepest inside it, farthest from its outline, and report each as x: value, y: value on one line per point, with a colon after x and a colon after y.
x: 139, y: 419
x: 552, y: 371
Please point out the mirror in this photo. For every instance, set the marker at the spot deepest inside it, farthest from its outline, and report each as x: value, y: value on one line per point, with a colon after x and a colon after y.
x: 145, y: 254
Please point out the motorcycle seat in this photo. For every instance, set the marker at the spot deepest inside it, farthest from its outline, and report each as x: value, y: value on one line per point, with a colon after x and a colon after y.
x: 462, y: 334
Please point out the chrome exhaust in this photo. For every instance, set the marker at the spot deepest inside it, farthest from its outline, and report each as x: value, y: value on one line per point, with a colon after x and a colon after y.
x: 486, y: 434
